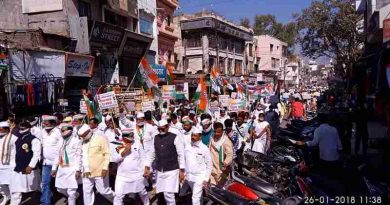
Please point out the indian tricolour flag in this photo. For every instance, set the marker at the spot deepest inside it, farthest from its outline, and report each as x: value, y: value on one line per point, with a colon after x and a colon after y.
x: 170, y: 76
x: 149, y: 77
x: 200, y: 97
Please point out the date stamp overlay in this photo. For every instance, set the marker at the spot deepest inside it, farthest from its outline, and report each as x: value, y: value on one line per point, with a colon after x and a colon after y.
x: 363, y: 200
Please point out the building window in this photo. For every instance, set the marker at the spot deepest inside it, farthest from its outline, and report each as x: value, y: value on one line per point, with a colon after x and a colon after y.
x: 84, y: 9
x: 146, y: 26
x: 229, y: 66
x: 237, y: 67
x: 193, y: 41
x: 277, y: 48
x: 273, y: 62
x: 115, y: 19
x: 168, y: 20
x: 278, y: 65
x: 169, y: 56
x: 250, y: 50
x: 271, y: 48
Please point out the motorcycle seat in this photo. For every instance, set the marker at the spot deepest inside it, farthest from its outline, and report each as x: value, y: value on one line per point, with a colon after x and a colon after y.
x: 229, y: 197
x: 258, y: 185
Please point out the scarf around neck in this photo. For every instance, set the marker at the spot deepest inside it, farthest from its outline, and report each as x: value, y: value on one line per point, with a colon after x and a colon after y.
x: 218, y: 145
x: 5, y: 155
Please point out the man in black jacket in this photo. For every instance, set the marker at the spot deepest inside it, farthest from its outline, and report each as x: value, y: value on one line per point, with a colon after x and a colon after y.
x: 168, y: 154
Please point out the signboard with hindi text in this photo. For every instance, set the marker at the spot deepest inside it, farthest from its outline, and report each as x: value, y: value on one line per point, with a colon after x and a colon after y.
x: 83, y: 107
x: 224, y: 100
x: 107, y: 100
x: 214, y: 106
x: 168, y: 92
x: 234, y: 105
x: 147, y: 106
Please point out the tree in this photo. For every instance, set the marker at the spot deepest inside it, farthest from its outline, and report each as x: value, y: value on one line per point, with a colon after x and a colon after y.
x: 268, y: 25
x: 245, y: 22
x: 329, y: 28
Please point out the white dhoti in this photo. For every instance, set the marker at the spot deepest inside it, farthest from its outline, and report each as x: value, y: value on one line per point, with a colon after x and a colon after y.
x: 23, y: 183
x: 167, y: 181
x: 125, y: 186
x: 5, y: 175
x: 66, y: 178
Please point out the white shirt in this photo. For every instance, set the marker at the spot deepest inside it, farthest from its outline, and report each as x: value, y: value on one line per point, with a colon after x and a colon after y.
x: 186, y: 136
x: 111, y: 137
x: 124, y: 122
x: 260, y: 144
x: 51, y: 143
x: 198, y: 162
x: 327, y: 138
x: 131, y: 166
x: 178, y: 126
x: 74, y: 152
x: 222, y: 119
x: 179, y: 149
x: 37, y: 132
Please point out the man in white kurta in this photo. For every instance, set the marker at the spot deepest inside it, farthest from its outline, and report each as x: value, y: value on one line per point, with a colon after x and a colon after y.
x: 7, y: 160
x: 67, y: 169
x: 129, y: 178
x: 198, y: 165
x: 26, y: 175
x: 51, y: 143
x: 170, y: 162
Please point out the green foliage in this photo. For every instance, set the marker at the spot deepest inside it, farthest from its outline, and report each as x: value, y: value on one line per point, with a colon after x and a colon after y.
x: 330, y: 28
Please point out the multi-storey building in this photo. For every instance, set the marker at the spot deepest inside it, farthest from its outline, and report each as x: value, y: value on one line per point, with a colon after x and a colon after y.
x: 272, y: 56
x: 166, y: 36
x: 208, y: 40
x: 48, y: 40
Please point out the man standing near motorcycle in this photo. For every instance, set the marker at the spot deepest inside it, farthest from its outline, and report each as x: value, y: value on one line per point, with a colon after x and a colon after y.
x: 221, y: 149
x: 327, y: 138
x: 260, y: 135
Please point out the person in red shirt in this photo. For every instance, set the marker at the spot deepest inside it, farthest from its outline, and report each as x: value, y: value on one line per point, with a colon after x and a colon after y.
x: 297, y: 109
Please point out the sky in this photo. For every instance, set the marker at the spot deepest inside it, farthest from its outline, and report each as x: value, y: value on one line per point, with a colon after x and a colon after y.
x: 234, y: 10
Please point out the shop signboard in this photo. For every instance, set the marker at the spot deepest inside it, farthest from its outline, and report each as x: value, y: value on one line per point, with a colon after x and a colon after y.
x: 83, y: 107
x: 161, y: 71
x: 107, y: 100
x: 386, y: 30
x: 134, y: 48
x: 78, y: 65
x: 168, y: 92
x: 147, y: 106
x: 106, y: 33
x: 224, y: 100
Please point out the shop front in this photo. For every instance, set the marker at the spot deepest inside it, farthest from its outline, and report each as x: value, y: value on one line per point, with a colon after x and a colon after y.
x: 117, y: 52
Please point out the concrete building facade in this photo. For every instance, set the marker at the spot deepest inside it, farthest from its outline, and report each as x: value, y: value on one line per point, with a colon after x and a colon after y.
x: 207, y: 40
x: 166, y: 36
x: 272, y: 56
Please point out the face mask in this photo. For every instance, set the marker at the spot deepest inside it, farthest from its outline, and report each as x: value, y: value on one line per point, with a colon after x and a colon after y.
x: 2, y: 134
x: 195, y: 143
x: 207, y: 129
x: 140, y: 124
x: 261, y: 119
x: 49, y: 128
x: 22, y: 132
x: 66, y: 133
